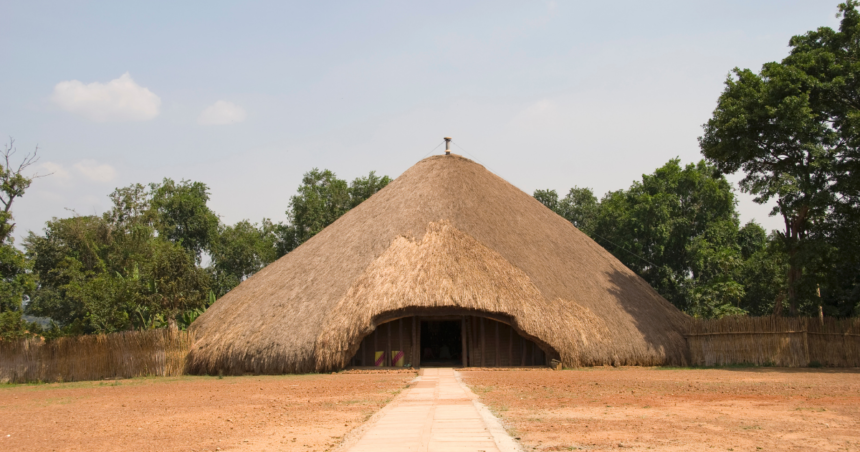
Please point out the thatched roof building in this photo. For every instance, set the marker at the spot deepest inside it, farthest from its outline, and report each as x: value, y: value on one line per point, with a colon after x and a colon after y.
x: 447, y: 241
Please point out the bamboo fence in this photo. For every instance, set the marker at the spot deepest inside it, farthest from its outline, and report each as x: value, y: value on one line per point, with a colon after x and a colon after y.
x: 775, y: 341
x: 160, y: 352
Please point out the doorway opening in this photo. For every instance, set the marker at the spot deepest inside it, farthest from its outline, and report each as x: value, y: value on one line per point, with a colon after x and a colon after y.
x: 441, y: 343
x: 447, y: 340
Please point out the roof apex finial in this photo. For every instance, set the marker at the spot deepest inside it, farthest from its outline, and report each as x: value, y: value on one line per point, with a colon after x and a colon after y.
x: 447, y: 145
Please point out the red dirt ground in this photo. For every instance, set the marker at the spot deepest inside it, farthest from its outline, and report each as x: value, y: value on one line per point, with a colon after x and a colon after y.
x: 301, y: 413
x: 591, y: 409
x: 676, y: 410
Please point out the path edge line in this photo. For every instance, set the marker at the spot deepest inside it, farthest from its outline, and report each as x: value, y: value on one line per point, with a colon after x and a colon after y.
x: 503, y: 440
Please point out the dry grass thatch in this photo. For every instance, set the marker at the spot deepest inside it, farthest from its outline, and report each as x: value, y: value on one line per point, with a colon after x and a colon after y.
x: 118, y: 355
x: 777, y: 341
x: 446, y: 233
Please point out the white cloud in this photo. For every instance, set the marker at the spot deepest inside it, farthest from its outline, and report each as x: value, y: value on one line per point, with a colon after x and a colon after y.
x: 120, y: 99
x: 222, y: 112
x: 55, y: 170
x: 95, y: 172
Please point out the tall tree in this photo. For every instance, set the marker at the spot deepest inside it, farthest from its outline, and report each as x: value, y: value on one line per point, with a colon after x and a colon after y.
x: 548, y: 198
x: 792, y: 130
x: 322, y: 198
x: 364, y: 187
x: 764, y: 269
x: 183, y: 216
x: 676, y: 228
x: 240, y: 251
x: 115, y: 271
x: 16, y: 279
x: 174, y: 284
x: 579, y: 206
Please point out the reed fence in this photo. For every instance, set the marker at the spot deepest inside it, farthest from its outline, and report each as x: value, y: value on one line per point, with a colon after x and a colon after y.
x: 776, y: 341
x: 160, y: 352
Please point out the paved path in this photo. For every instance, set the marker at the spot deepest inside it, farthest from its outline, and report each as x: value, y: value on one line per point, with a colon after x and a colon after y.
x: 436, y: 414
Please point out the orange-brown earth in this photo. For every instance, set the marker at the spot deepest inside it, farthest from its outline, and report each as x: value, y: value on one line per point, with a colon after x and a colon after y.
x: 591, y: 409
x: 301, y: 413
x: 676, y: 410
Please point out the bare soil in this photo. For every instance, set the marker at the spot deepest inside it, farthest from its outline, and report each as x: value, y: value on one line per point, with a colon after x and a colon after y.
x: 676, y: 409
x: 294, y: 413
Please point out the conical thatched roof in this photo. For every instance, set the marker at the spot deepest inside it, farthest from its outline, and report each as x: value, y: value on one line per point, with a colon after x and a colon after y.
x: 446, y: 233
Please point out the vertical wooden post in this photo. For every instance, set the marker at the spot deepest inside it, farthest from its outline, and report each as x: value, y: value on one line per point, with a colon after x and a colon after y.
x: 418, y: 341
x: 463, y: 340
x: 498, y: 347
x: 400, y: 338
x: 511, y: 347
x: 474, y: 330
x: 388, y: 345
x: 414, y: 344
x: 806, y: 341
x: 533, y: 353
x: 523, y: 358
x: 375, y: 346
x: 483, y: 345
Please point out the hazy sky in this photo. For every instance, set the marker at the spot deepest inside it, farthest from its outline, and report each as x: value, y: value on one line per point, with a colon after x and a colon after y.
x: 247, y: 96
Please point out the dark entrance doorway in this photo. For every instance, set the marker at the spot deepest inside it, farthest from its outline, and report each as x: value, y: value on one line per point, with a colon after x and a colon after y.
x: 447, y: 341
x: 441, y: 343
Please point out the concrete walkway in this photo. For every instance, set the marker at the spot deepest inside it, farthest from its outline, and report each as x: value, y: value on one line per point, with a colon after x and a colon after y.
x: 436, y: 414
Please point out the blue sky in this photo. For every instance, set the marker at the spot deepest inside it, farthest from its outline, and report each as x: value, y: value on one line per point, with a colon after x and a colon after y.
x: 247, y: 96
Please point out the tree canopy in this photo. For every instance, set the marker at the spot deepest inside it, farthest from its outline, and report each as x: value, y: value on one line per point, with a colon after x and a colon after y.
x: 321, y: 199
x: 792, y: 129
x: 16, y: 279
x: 678, y: 228
x: 140, y: 264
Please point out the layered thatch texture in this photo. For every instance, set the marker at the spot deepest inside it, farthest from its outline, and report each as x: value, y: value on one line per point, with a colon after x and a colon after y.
x: 446, y: 233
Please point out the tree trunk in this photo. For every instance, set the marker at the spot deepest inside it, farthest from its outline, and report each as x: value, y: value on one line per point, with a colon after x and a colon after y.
x: 795, y: 231
x: 777, y: 305
x: 795, y: 272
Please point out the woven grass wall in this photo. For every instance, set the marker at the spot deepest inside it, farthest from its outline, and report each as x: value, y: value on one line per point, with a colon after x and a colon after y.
x: 119, y: 355
x: 776, y: 341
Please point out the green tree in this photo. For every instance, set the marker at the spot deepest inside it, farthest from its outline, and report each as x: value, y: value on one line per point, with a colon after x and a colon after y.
x: 764, y: 270
x: 174, y: 283
x: 16, y: 278
x: 240, y: 251
x: 792, y: 130
x: 322, y: 198
x: 70, y: 248
x: 106, y: 300
x: 183, y: 216
x: 115, y: 271
x: 579, y: 206
x: 678, y: 228
x: 548, y: 198
x: 829, y: 59
x: 363, y: 188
